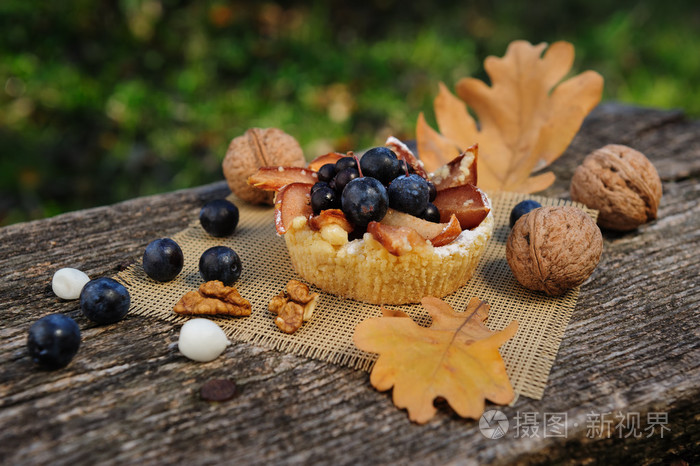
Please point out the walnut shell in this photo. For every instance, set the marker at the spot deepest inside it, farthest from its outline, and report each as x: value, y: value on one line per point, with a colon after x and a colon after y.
x: 554, y: 249
x: 619, y: 182
x: 257, y: 148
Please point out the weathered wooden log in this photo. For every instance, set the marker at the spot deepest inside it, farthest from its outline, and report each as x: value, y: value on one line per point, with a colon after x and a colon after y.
x: 632, y: 348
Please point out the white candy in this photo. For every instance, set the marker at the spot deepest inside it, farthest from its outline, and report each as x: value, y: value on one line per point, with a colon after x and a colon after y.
x: 202, y: 340
x: 67, y: 283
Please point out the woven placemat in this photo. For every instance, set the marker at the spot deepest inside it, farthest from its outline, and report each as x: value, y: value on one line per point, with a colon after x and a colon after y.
x: 328, y: 336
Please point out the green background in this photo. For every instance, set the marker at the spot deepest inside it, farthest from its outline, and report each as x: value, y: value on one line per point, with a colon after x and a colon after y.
x: 102, y: 101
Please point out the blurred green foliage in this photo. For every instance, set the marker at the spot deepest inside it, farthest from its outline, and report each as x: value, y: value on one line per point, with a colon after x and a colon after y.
x: 103, y: 101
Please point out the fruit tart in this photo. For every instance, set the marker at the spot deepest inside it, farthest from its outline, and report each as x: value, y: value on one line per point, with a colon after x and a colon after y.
x: 379, y: 228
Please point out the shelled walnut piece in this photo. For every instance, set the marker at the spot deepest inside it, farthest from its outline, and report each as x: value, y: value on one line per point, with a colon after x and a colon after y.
x: 213, y: 298
x: 293, y: 306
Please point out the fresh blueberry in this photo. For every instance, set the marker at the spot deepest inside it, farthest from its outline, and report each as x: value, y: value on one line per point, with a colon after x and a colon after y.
x: 324, y: 198
x: 53, y: 340
x: 409, y: 194
x: 345, y: 162
x: 403, y: 168
x: 343, y: 177
x: 219, y: 217
x: 431, y: 213
x: 521, y: 208
x: 220, y: 263
x: 104, y: 300
x: 364, y: 200
x: 163, y: 260
x: 319, y: 185
x: 380, y: 163
x: 326, y: 172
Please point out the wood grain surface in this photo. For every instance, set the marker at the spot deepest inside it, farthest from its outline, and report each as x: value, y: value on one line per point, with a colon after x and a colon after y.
x: 129, y: 397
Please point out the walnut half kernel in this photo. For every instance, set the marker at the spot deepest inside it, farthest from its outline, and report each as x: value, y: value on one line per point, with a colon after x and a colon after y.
x: 214, y: 298
x: 293, y: 306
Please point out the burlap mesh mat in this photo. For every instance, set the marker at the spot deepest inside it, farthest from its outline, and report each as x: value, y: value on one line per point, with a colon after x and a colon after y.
x: 328, y: 336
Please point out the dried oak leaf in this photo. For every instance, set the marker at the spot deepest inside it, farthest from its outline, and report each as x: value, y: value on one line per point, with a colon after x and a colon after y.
x: 456, y: 358
x: 527, y: 117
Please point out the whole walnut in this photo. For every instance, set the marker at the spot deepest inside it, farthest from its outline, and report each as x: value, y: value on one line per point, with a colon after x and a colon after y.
x: 257, y: 148
x: 554, y: 249
x: 619, y: 182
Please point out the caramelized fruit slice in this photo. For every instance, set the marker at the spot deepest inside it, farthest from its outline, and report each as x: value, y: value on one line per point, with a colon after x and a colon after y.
x: 292, y: 201
x: 397, y: 240
x: 459, y: 171
x: 468, y: 203
x: 321, y: 160
x: 330, y: 217
x: 439, y: 234
x: 448, y: 234
x: 274, y: 178
x: 404, y: 153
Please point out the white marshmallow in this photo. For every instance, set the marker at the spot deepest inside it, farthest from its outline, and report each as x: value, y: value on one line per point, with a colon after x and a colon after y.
x: 202, y: 340
x: 67, y: 283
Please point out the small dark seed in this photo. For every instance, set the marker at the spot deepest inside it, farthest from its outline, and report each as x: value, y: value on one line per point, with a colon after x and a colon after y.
x: 124, y: 265
x: 218, y: 390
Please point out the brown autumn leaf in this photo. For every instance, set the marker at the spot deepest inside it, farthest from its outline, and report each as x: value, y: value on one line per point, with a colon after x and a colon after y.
x: 527, y: 117
x: 456, y: 358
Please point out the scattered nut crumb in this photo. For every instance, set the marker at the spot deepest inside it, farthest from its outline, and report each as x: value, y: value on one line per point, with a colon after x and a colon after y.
x: 213, y: 298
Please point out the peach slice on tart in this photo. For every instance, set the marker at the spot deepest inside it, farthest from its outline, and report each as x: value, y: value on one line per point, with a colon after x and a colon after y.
x: 321, y: 160
x: 438, y: 234
x: 448, y: 234
x: 397, y: 240
x: 275, y: 178
x: 467, y: 202
x: 292, y: 201
x: 457, y: 172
